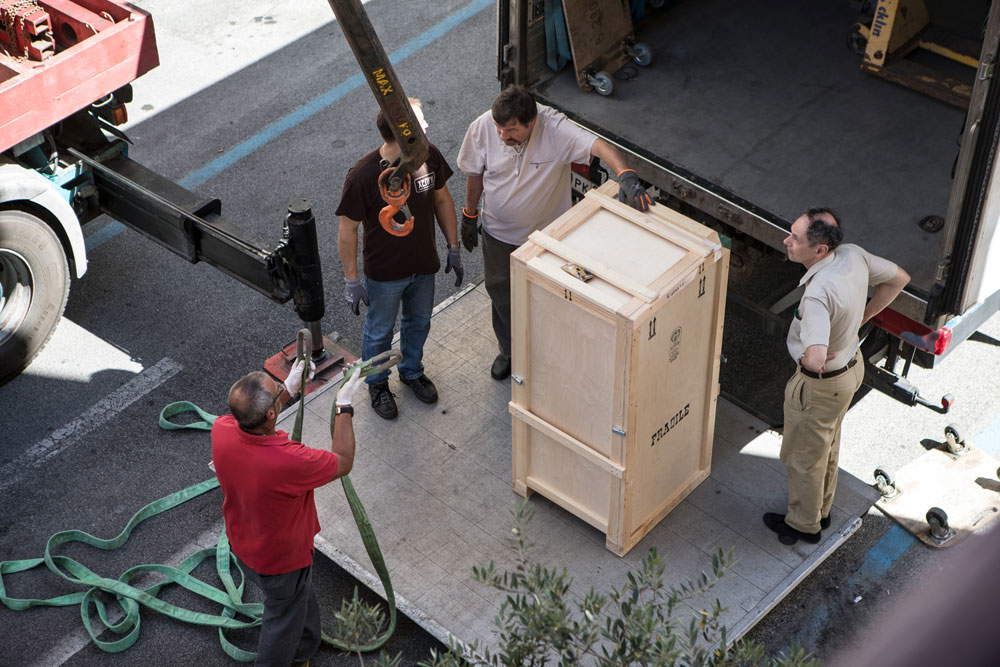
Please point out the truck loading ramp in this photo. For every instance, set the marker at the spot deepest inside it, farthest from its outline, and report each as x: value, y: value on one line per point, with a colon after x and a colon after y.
x: 436, y: 483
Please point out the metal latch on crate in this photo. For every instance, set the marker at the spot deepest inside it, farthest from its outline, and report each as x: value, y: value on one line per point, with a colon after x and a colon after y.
x: 578, y: 271
x: 618, y: 430
x: 517, y: 378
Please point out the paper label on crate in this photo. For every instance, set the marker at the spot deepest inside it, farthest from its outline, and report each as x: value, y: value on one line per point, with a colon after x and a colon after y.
x: 675, y: 345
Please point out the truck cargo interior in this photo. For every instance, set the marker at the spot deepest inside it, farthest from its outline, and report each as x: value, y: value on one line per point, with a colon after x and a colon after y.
x: 766, y: 102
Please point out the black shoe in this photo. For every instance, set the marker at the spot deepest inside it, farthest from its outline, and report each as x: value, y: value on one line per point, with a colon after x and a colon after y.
x: 501, y: 367
x: 824, y: 523
x: 787, y: 534
x: 423, y: 388
x: 382, y: 401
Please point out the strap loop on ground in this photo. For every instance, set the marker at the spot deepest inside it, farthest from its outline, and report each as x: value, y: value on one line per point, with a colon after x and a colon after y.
x: 127, y: 622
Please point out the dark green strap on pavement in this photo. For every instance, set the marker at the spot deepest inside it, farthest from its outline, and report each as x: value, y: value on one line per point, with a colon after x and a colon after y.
x: 179, y: 408
x: 230, y: 597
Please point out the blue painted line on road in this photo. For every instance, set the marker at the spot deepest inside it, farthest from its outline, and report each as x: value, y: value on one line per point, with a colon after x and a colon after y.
x: 880, y: 558
x: 304, y: 112
x: 103, y: 235
x: 876, y: 564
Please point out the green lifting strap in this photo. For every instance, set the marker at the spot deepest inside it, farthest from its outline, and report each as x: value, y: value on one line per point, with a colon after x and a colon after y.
x: 230, y: 597
x: 179, y: 408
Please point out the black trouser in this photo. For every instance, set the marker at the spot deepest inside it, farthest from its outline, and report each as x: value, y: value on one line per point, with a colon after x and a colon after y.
x: 496, y: 267
x: 290, y: 631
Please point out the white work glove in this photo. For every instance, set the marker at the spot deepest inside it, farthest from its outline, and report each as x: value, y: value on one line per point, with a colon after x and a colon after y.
x: 350, y: 387
x: 294, y: 381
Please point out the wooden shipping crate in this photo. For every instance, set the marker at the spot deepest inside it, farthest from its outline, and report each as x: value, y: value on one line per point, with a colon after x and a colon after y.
x: 617, y: 329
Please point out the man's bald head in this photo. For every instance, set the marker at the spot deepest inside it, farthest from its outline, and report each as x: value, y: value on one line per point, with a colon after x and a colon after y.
x: 824, y: 227
x: 250, y: 398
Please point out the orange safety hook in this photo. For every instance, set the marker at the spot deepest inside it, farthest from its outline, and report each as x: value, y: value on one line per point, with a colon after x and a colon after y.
x: 395, y: 201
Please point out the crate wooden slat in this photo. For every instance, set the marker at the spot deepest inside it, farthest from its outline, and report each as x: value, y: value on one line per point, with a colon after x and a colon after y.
x: 616, y: 378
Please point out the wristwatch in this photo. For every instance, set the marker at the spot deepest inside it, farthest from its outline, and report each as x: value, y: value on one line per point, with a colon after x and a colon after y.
x: 344, y: 410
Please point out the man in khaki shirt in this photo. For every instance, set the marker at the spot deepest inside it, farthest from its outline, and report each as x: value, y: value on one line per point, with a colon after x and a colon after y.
x: 517, y: 159
x: 823, y: 339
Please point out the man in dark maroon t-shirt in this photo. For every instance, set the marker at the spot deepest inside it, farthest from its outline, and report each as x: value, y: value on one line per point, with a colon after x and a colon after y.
x: 267, y: 483
x: 399, y: 269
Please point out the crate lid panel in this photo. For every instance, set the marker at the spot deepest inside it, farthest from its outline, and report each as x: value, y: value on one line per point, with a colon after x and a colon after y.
x: 625, y: 247
x: 597, y: 290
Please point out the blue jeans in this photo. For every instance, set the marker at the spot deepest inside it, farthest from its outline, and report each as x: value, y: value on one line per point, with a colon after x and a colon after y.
x: 416, y: 296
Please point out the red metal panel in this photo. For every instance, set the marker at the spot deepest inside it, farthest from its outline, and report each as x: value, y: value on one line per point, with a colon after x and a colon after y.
x: 41, y: 94
x: 913, y: 332
x: 27, y: 32
x: 72, y: 23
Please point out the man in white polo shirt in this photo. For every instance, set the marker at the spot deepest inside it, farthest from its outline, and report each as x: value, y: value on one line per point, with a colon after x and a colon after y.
x: 823, y: 339
x: 517, y: 158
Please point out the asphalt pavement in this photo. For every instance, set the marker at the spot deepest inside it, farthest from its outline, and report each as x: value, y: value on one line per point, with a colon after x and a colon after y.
x: 144, y: 328
x: 259, y: 103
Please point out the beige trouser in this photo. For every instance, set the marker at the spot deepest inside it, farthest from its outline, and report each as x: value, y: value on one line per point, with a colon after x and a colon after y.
x: 810, y: 446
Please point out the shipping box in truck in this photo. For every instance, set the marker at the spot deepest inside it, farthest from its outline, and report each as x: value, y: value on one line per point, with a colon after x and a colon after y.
x: 751, y: 112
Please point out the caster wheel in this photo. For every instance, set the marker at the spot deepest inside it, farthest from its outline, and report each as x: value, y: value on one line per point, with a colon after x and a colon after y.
x: 856, y: 42
x: 884, y: 483
x: 937, y: 521
x: 642, y: 54
x: 602, y: 83
x: 953, y: 439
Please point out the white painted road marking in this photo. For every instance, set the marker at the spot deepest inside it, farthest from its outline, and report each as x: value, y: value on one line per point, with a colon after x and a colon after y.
x: 61, y: 359
x: 100, y: 413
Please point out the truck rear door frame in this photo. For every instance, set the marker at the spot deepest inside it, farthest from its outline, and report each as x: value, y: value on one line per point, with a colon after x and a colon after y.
x: 964, y: 232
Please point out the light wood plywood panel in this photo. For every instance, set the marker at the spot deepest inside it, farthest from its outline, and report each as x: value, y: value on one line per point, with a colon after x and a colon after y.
x: 567, y: 478
x: 572, y: 378
x: 633, y: 250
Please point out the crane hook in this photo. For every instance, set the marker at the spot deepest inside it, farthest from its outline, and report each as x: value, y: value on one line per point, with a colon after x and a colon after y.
x: 395, y: 199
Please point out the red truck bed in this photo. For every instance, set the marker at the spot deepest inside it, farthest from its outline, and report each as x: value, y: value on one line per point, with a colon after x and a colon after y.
x: 59, y: 56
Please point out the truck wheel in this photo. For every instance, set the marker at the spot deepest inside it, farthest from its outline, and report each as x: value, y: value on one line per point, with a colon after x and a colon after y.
x: 34, y: 284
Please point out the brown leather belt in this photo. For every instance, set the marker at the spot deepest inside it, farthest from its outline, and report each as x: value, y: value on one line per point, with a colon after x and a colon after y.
x: 829, y: 374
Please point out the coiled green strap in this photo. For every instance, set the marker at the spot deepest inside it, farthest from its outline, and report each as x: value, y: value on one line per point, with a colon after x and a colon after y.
x: 234, y: 612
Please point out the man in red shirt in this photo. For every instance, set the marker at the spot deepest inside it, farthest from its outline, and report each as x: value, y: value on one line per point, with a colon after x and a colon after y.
x: 267, y: 482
